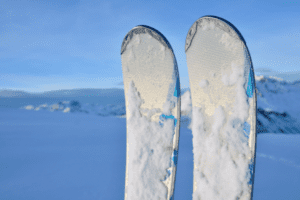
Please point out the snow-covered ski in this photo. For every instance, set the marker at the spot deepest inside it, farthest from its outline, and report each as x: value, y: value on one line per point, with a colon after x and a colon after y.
x: 152, y: 96
x: 223, y: 124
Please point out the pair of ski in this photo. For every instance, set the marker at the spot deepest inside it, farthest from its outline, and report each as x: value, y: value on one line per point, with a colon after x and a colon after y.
x: 223, y: 124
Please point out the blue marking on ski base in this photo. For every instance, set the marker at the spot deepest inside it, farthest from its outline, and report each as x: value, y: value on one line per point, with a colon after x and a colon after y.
x: 161, y: 124
x: 250, y: 85
x: 251, y: 173
x: 167, y: 176
x: 177, y: 89
x: 175, y: 157
x: 163, y: 116
x: 246, y: 129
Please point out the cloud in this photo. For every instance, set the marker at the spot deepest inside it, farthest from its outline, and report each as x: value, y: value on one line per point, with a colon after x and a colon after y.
x: 293, y: 75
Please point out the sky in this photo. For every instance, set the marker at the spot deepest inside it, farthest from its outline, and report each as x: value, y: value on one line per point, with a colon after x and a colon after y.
x: 52, y: 45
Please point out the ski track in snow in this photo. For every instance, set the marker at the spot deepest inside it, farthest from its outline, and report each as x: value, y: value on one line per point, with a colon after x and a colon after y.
x: 282, y: 160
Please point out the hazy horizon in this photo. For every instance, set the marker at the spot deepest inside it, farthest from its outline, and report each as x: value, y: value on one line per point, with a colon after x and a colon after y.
x: 121, y: 87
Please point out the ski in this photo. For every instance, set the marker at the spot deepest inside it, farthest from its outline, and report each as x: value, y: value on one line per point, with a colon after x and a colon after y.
x: 223, y: 124
x: 152, y: 97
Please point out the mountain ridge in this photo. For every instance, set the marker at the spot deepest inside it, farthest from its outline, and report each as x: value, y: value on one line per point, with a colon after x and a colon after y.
x: 277, y: 103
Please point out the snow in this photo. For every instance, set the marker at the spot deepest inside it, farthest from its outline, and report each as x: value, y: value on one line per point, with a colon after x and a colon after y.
x: 53, y: 155
x: 79, y: 155
x: 230, y: 43
x: 186, y: 103
x: 259, y: 78
x: 231, y: 78
x: 150, y: 150
x: 75, y: 106
x: 221, y: 154
x: 280, y: 96
x: 207, y: 24
x: 203, y: 83
x: 277, y: 103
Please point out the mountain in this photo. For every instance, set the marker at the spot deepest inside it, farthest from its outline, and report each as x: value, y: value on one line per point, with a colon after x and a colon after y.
x: 17, y: 99
x: 278, y: 109
x: 13, y: 93
x: 278, y: 105
x: 64, y: 93
x: 76, y: 106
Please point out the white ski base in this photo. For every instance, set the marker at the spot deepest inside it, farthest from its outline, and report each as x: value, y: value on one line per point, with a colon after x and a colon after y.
x: 152, y: 97
x: 219, y: 65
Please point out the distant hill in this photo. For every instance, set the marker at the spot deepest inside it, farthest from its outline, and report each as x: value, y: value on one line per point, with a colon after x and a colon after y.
x: 17, y: 99
x: 64, y: 93
x: 84, y: 93
x: 13, y: 93
x: 278, y: 109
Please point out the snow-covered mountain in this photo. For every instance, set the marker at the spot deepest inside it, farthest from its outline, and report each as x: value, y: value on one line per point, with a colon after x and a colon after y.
x: 76, y: 106
x: 17, y: 99
x: 278, y: 109
x: 89, y: 92
x: 277, y: 103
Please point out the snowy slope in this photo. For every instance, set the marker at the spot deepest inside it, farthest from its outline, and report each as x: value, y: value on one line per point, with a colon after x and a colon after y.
x: 277, y: 103
x: 46, y: 155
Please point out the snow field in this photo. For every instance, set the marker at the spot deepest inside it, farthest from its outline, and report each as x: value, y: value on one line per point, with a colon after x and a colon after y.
x: 51, y: 155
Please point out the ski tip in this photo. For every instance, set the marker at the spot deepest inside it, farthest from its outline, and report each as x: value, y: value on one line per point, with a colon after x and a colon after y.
x: 192, y: 31
x: 144, y: 29
x: 230, y: 24
x: 240, y: 37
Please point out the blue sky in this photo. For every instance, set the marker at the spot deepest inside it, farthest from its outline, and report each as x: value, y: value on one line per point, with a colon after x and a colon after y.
x: 51, y: 45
